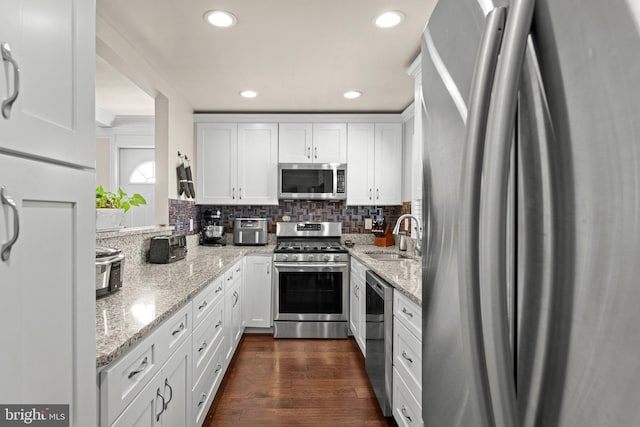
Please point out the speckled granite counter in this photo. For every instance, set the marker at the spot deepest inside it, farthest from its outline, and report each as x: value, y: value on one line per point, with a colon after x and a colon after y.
x: 405, y: 275
x: 153, y: 292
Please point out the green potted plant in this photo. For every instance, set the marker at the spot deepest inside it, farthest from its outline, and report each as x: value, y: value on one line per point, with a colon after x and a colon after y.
x: 110, y: 207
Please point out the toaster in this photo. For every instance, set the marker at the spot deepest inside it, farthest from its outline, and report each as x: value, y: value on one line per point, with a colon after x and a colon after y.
x: 109, y: 271
x: 167, y: 249
x: 250, y: 231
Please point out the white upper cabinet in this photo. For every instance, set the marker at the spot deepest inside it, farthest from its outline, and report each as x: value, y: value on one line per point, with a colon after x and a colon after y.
x: 374, y: 172
x: 53, y: 46
x: 237, y: 163
x: 313, y: 143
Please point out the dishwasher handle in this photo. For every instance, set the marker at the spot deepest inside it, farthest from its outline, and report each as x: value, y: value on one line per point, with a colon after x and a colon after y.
x: 378, y: 285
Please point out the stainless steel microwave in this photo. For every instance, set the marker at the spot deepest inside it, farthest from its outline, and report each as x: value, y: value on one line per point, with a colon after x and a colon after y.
x: 312, y: 181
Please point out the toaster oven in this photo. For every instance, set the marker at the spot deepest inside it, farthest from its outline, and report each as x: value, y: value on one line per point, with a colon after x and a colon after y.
x: 167, y: 249
x: 109, y: 271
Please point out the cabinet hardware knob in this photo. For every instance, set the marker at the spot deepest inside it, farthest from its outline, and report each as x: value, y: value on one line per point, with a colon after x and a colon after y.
x: 177, y: 331
x: 404, y: 412
x: 8, y: 102
x: 142, y: 367
x: 408, y: 313
x: 166, y: 384
x: 404, y: 354
x: 158, y: 395
x: 8, y: 200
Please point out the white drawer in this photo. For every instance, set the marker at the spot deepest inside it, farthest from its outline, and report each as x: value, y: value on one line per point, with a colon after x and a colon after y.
x: 173, y: 332
x: 205, y: 389
x: 124, y: 379
x: 407, y: 411
x: 206, y: 299
x: 407, y: 357
x: 206, y: 339
x: 408, y: 312
x: 232, y: 274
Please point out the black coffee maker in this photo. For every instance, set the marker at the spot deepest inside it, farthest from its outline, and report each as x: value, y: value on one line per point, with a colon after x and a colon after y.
x: 212, y: 233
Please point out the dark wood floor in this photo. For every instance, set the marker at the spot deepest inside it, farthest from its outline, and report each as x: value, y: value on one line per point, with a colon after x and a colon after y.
x: 289, y: 382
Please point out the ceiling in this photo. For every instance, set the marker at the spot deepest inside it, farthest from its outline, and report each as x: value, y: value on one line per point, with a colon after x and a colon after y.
x: 299, y: 55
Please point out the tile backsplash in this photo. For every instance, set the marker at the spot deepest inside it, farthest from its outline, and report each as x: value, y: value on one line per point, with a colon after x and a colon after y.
x: 352, y: 217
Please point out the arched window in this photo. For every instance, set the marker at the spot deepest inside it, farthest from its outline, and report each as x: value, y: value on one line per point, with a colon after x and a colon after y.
x: 144, y: 173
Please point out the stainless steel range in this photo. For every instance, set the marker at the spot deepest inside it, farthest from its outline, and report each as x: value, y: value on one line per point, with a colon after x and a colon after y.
x: 311, y: 292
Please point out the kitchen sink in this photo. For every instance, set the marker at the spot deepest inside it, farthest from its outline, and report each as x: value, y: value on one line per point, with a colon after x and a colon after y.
x: 387, y: 256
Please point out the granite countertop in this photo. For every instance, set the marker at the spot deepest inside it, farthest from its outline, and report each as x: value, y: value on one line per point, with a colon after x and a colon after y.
x: 405, y: 275
x: 154, y: 292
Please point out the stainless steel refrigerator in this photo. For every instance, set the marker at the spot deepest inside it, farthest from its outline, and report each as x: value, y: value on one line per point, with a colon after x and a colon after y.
x: 531, y: 269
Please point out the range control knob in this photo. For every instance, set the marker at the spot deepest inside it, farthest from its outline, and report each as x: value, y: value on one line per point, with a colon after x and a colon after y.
x: 285, y: 257
x: 311, y: 258
x: 294, y: 257
x: 326, y: 258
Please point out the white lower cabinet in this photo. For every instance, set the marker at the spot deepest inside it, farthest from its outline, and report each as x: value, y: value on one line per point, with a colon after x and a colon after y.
x: 357, y: 300
x: 257, y: 290
x: 164, y: 400
x: 233, y: 308
x: 407, y: 361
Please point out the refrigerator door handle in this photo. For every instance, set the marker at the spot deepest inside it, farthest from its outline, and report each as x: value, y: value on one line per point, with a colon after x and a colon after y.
x: 494, y: 216
x: 468, y: 219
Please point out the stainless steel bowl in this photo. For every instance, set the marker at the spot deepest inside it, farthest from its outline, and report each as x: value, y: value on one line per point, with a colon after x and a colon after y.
x: 214, y: 231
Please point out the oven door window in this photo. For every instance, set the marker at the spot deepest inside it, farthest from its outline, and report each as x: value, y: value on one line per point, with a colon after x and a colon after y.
x: 310, y: 293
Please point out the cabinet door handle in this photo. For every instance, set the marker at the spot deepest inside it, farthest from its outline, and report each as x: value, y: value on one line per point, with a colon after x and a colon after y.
x: 203, y: 397
x: 308, y: 152
x: 233, y: 193
x: 404, y: 354
x: 240, y: 193
x: 370, y: 193
x: 8, y: 103
x: 404, y: 412
x: 235, y: 294
x: 158, y: 395
x: 177, y: 331
x: 316, y: 152
x: 408, y: 313
x: 378, y: 193
x: 6, y: 247
x: 166, y: 384
x: 203, y: 346
x: 142, y: 367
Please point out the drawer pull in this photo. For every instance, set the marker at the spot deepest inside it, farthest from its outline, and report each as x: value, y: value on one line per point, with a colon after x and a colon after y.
x: 166, y: 384
x: 158, y: 395
x: 404, y: 412
x: 203, y: 305
x: 177, y: 331
x: 218, y: 324
x: 219, y: 289
x: 202, y: 399
x: 404, y: 354
x: 204, y: 345
x: 218, y: 368
x: 142, y: 367
x: 408, y: 313
x: 230, y: 277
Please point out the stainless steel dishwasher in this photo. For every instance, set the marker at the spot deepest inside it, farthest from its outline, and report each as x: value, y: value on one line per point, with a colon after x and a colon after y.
x: 379, y: 339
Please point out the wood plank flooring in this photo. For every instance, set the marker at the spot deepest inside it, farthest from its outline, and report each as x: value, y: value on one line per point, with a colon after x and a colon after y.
x: 296, y: 382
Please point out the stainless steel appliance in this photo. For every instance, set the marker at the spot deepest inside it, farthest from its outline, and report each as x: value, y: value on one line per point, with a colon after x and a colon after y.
x: 311, y: 291
x: 167, y: 249
x: 250, y: 231
x: 379, y: 339
x: 312, y: 181
x: 109, y: 271
x: 531, y: 188
x: 212, y: 232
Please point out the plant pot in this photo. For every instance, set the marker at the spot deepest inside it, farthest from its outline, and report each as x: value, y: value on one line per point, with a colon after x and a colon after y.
x: 108, y: 219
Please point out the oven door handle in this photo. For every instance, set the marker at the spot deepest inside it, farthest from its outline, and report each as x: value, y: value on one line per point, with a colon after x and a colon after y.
x: 295, y: 266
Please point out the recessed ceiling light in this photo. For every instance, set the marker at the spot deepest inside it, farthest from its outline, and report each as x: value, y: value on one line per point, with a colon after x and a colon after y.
x: 248, y: 94
x: 389, y: 19
x: 220, y: 18
x: 352, y: 94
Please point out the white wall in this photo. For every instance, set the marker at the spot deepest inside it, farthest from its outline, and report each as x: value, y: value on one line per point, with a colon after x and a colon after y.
x: 173, y: 117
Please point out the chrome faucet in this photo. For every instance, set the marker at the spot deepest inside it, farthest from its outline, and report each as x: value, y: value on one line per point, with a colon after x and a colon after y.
x: 418, y: 228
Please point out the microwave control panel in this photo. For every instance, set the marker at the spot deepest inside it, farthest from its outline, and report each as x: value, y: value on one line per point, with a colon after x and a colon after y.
x: 341, y: 184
